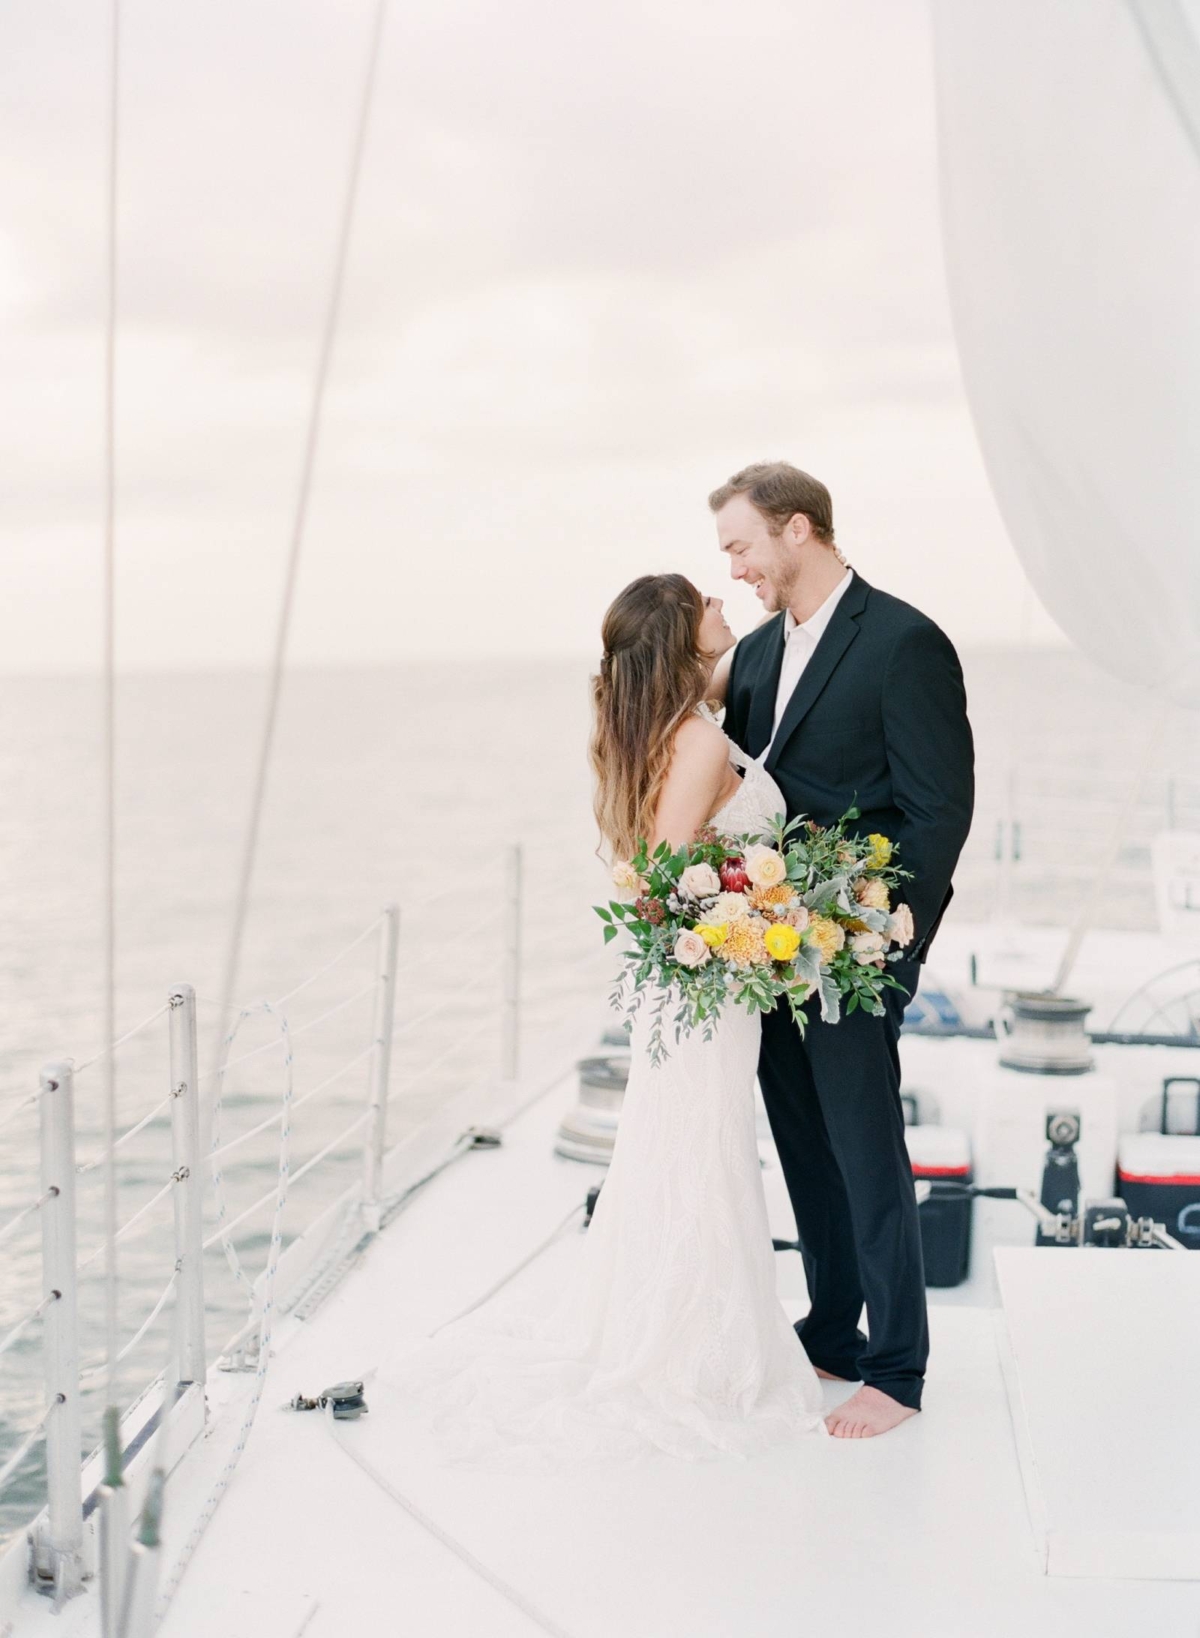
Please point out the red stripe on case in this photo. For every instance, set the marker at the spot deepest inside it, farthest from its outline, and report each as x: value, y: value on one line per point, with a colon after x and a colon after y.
x: 1177, y: 1178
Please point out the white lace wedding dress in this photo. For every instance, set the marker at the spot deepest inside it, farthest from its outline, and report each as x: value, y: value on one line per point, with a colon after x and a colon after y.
x: 669, y: 1334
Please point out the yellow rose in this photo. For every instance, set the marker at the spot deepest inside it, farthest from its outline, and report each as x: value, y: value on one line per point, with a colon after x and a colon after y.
x: 781, y: 941
x: 881, y: 851
x: 713, y: 935
x: 828, y: 937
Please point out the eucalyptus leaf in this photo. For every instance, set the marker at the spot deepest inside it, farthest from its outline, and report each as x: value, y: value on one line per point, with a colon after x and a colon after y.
x: 831, y: 1004
x: 876, y: 920
x: 806, y: 963
x: 835, y: 888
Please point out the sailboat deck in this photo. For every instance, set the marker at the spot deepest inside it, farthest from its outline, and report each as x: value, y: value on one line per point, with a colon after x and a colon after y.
x: 924, y: 1532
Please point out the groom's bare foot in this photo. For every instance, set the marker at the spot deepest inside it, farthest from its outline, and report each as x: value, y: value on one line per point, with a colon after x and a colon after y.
x: 866, y: 1413
x: 828, y: 1376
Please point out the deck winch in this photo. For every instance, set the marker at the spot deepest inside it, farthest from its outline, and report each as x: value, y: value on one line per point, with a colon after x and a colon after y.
x: 344, y: 1401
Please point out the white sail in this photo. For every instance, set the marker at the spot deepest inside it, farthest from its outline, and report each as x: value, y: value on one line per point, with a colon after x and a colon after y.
x: 1070, y: 160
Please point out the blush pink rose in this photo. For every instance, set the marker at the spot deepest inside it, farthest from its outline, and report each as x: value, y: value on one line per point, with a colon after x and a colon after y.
x: 900, y: 926
x: 690, y: 949
x: 867, y: 947
x: 700, y: 881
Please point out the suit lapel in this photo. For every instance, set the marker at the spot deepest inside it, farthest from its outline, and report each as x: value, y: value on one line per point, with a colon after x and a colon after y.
x: 835, y: 640
x: 762, y: 702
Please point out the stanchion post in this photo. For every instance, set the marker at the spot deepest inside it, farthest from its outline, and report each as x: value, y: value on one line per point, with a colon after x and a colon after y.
x: 59, y: 1549
x: 381, y: 1064
x: 510, y: 1006
x: 189, y: 1186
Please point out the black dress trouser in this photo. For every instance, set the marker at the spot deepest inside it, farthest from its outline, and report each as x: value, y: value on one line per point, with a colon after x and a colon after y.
x: 833, y: 1099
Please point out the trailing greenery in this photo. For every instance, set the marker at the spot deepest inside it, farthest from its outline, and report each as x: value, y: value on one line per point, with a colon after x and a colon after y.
x: 800, y: 913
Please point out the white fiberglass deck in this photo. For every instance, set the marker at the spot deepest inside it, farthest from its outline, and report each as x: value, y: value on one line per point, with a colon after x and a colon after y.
x: 1103, y: 1349
x: 925, y: 1533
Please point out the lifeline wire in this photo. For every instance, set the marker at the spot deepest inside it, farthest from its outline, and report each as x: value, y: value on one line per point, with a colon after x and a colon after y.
x: 27, y: 1443
x: 26, y: 1211
x: 129, y: 1034
x: 264, y: 1333
x: 19, y: 1109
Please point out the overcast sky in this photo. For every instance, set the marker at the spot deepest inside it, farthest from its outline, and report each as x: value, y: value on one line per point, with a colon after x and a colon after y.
x: 603, y: 257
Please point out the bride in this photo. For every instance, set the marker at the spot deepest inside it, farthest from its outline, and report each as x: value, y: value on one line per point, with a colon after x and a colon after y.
x: 669, y: 1335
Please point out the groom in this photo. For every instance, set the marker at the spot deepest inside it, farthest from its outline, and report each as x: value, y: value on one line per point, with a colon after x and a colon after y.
x: 858, y: 700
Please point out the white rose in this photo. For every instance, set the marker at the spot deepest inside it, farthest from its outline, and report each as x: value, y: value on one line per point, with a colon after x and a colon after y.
x: 699, y: 880
x: 765, y: 866
x: 690, y: 949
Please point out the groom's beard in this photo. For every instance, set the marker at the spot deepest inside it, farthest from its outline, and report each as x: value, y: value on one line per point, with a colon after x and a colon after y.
x: 780, y: 589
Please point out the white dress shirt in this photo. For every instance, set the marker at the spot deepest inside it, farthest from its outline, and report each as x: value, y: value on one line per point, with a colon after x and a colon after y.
x: 800, y: 639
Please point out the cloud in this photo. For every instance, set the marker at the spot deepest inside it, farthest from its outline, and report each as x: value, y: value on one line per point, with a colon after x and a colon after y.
x: 601, y: 257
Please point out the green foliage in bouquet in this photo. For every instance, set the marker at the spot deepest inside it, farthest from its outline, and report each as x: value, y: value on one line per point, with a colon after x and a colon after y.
x: 799, y: 912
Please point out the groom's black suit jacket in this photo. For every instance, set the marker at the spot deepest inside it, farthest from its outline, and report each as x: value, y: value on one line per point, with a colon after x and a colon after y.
x: 878, y: 720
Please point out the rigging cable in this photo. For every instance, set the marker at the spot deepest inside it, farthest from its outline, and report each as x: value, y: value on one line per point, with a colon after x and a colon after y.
x: 233, y: 953
x: 112, y: 1433
x: 299, y: 522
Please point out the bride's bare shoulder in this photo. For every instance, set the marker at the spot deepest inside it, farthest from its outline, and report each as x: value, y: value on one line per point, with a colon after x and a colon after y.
x: 700, y: 747
x: 695, y: 780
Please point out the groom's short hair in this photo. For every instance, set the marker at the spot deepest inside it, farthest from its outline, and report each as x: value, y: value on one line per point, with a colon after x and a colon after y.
x: 780, y: 490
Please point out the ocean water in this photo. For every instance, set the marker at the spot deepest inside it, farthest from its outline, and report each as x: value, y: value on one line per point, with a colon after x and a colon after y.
x: 400, y: 784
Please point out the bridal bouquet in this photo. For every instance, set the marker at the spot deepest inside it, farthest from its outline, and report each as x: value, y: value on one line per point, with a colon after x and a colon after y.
x: 757, y: 920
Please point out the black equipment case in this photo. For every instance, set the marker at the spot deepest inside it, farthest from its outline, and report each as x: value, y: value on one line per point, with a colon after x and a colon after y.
x: 942, y: 1154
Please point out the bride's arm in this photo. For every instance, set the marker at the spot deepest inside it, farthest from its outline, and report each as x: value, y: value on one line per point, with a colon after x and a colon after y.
x: 697, y: 776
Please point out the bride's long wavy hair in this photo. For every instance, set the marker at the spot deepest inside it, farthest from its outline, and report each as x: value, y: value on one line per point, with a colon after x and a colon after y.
x: 651, y: 676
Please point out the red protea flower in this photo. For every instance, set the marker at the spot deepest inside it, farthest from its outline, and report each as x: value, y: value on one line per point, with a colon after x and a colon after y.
x: 733, y: 876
